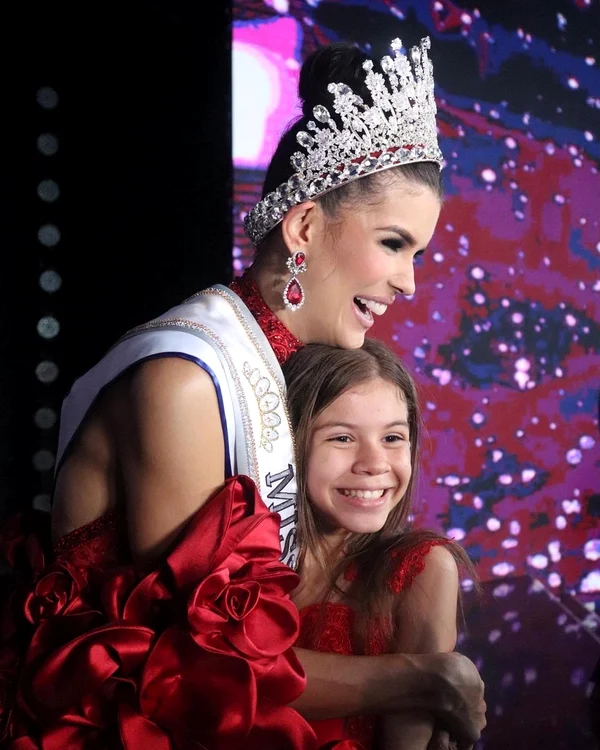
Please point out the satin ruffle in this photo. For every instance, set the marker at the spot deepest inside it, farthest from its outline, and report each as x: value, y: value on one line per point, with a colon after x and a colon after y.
x: 195, y: 654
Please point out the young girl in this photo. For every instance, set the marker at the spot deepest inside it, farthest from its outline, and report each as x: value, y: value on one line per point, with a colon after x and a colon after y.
x: 369, y: 584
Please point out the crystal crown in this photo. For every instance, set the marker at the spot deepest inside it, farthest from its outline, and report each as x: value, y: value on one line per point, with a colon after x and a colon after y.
x: 398, y: 128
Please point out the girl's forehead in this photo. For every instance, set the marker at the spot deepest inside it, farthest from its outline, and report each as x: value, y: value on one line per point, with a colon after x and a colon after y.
x: 367, y: 402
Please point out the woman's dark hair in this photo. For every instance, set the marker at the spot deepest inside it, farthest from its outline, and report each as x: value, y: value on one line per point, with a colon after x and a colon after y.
x: 316, y: 376
x: 340, y: 63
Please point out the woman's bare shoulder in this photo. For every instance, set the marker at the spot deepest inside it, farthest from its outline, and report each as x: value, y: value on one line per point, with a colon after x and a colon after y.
x: 166, y: 376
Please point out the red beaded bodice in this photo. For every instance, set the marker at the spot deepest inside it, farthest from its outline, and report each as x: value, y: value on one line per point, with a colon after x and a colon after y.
x: 282, y: 340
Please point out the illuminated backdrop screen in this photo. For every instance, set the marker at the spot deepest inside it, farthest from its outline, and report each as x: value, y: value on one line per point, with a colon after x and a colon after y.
x: 503, y: 333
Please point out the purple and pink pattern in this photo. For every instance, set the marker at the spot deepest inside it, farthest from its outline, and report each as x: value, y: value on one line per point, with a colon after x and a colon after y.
x: 504, y: 330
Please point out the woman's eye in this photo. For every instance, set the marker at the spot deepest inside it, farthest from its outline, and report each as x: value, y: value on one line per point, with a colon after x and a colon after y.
x: 394, y: 244
x: 340, y: 439
x: 418, y: 258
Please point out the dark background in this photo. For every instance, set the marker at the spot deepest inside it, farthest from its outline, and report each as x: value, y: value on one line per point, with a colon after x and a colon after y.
x: 144, y: 171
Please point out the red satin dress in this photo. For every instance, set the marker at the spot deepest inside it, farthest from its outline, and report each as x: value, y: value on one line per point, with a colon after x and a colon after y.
x: 194, y: 654
x: 329, y: 628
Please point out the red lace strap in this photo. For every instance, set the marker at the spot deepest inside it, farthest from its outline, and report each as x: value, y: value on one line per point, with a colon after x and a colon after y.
x: 283, y: 342
x: 411, y: 564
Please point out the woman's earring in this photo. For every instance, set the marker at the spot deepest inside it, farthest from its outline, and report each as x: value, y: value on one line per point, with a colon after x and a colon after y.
x: 293, y: 294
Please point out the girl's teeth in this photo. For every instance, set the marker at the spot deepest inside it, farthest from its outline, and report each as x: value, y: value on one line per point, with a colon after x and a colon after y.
x: 378, y: 308
x: 365, y: 494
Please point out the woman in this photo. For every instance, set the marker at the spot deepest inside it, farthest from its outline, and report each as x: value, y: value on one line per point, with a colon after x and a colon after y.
x: 369, y: 585
x: 196, y: 397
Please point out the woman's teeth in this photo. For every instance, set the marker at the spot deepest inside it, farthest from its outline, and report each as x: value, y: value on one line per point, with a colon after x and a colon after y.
x: 378, y: 308
x: 365, y: 494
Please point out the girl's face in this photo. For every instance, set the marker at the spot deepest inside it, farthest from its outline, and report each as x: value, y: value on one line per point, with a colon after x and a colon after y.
x: 357, y: 266
x: 358, y: 465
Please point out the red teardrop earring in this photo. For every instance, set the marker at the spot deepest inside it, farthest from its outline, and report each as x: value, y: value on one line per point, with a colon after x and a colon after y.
x: 293, y: 294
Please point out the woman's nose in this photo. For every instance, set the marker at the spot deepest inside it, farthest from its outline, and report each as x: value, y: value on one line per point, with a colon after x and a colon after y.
x: 404, y: 282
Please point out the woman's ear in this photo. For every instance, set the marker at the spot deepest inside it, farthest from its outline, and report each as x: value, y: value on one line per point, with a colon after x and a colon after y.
x: 299, y: 225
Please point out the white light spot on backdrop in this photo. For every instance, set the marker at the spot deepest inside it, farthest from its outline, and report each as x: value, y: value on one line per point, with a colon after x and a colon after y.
x: 503, y: 569
x: 591, y: 583
x: 592, y: 550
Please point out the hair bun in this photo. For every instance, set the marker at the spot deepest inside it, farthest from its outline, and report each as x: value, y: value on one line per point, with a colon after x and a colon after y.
x: 335, y: 63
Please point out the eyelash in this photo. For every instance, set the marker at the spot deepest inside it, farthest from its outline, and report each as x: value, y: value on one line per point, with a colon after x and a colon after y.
x: 345, y: 439
x: 394, y: 245
x: 397, y: 438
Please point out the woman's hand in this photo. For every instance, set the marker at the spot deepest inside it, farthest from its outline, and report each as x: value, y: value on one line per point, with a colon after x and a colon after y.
x: 441, y: 741
x: 461, y: 707
x: 447, y: 686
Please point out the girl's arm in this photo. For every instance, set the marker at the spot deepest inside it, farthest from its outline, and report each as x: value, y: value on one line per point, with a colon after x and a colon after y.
x: 425, y: 623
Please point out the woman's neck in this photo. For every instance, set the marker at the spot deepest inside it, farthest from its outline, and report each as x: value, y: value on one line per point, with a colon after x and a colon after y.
x: 271, y: 283
x: 282, y: 340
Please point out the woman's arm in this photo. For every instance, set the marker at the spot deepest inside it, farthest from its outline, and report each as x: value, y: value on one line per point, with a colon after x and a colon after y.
x: 425, y: 623
x: 447, y: 686
x: 171, y: 451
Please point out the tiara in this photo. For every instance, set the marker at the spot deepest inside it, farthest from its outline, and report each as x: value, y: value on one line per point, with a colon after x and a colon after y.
x: 399, y: 128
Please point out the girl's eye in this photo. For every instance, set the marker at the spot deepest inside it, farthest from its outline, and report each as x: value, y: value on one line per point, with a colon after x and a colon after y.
x: 394, y: 244
x: 396, y: 439
x: 340, y: 439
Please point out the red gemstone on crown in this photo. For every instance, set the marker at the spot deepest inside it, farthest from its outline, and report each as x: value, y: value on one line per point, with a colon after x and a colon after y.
x: 299, y: 259
x: 294, y: 294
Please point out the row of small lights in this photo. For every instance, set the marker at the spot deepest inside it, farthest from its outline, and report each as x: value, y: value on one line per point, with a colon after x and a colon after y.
x: 48, y: 327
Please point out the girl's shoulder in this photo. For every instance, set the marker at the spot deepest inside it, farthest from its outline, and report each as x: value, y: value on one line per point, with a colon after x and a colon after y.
x: 405, y: 562
x: 431, y: 555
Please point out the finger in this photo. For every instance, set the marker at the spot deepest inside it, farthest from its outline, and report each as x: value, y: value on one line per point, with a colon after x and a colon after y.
x: 483, y: 711
x: 439, y: 741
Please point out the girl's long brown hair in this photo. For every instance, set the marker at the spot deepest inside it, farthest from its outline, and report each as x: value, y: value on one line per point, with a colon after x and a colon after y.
x: 316, y: 376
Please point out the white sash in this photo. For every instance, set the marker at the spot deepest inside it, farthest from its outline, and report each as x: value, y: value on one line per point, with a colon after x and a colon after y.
x: 217, y: 331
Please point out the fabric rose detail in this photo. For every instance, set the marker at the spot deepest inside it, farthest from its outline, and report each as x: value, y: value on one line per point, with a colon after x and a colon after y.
x: 9, y: 673
x: 24, y: 540
x: 23, y: 543
x: 195, y: 653
x: 245, y: 613
x: 230, y: 671
x: 240, y: 599
x: 56, y: 592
